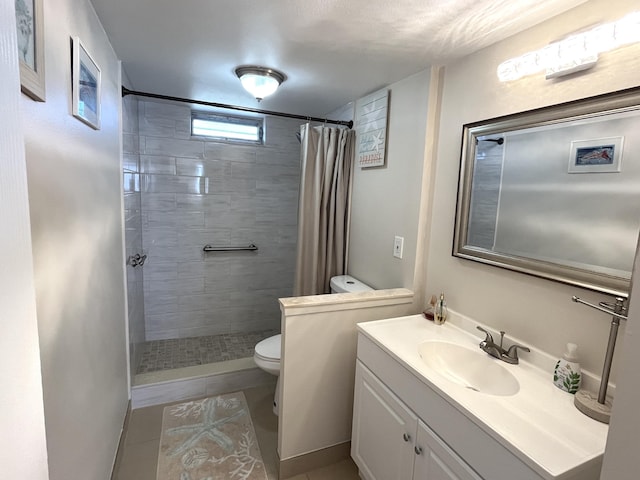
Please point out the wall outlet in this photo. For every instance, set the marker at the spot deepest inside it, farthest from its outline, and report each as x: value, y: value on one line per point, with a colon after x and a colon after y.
x: 398, y: 246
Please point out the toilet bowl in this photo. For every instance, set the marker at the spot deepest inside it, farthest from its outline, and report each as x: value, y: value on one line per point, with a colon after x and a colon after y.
x: 267, y: 352
x: 267, y: 357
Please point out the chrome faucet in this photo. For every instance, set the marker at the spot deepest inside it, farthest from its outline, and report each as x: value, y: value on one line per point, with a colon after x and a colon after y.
x: 510, y: 355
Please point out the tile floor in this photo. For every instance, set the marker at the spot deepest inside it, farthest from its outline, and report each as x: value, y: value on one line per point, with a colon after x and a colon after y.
x: 139, y: 456
x: 186, y: 352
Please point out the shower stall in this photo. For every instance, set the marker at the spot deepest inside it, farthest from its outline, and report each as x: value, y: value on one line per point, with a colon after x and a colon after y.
x: 190, y: 305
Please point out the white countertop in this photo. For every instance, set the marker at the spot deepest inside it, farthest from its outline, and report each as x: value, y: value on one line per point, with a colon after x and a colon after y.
x: 539, y: 424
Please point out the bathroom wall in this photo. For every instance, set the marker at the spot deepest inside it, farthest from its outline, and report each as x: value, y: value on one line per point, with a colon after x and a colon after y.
x: 386, y: 200
x: 197, y: 192
x: 132, y: 224
x: 536, y: 311
x: 23, y: 450
x: 74, y: 176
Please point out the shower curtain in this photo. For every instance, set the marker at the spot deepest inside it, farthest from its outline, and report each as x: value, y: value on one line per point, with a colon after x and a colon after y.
x: 323, y: 209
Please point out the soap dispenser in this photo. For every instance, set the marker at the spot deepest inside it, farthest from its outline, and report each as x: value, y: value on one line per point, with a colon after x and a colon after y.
x: 567, y: 374
x: 440, y: 314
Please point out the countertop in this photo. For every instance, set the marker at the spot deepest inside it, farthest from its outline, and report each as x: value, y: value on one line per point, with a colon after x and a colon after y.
x: 539, y: 424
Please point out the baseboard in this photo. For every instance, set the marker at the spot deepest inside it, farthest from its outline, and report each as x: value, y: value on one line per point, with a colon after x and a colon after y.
x: 314, y: 460
x: 120, y: 450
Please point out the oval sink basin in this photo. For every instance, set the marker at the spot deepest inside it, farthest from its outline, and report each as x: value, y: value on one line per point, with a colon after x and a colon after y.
x: 473, y: 370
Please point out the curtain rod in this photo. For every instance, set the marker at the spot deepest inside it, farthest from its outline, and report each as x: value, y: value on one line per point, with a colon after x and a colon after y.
x: 126, y: 91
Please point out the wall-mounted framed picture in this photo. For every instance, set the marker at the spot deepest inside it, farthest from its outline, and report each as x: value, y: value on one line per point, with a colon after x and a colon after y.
x: 371, y: 116
x: 30, y: 26
x: 85, y: 86
x: 602, y: 155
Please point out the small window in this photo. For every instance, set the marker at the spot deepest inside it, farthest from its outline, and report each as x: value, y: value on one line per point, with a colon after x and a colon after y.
x: 227, y: 128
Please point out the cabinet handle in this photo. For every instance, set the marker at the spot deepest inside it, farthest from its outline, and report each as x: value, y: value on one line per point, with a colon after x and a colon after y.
x: 406, y: 437
x: 417, y: 449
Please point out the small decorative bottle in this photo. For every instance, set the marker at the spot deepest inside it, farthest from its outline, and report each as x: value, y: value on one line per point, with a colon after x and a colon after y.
x: 440, y: 314
x: 567, y: 375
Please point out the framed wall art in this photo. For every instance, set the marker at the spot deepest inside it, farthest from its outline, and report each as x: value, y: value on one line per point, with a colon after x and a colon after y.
x: 85, y: 86
x: 29, y: 23
x: 602, y: 155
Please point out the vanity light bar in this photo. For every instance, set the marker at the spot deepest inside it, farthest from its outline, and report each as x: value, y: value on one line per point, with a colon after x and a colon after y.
x: 574, y: 53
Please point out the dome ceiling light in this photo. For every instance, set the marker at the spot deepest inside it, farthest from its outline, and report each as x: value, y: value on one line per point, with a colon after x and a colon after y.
x: 260, y: 81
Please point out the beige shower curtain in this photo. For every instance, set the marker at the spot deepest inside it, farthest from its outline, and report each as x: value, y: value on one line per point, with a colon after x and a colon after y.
x: 323, y: 208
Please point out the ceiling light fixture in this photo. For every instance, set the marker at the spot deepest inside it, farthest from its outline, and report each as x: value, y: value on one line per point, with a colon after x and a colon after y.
x: 260, y: 81
x: 574, y: 53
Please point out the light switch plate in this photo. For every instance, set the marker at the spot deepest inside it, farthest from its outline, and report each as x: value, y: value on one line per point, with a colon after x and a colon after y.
x: 398, y: 246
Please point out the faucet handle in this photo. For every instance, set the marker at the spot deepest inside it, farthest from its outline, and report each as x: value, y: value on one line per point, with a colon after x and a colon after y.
x: 512, y: 354
x: 489, y: 338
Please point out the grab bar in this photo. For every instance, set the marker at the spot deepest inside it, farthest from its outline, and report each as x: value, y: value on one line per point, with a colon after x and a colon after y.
x: 211, y: 248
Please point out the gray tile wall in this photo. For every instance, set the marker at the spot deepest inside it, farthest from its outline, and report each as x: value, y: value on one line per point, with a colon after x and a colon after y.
x: 485, y: 195
x: 133, y: 227
x: 195, y: 192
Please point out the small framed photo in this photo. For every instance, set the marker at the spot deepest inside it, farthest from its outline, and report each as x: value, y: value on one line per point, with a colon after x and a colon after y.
x: 29, y: 23
x: 85, y: 86
x: 602, y: 155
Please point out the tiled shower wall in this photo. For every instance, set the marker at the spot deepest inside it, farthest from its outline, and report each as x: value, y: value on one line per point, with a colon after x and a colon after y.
x: 133, y: 227
x: 196, y: 192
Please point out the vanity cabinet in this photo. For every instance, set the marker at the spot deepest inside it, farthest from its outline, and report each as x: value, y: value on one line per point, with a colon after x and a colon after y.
x: 389, y: 441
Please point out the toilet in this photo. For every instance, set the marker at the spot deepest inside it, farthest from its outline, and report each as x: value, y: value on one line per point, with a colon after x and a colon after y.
x: 267, y: 352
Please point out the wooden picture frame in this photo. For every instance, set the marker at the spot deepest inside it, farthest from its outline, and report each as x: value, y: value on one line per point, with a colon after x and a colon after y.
x: 30, y: 29
x: 85, y: 87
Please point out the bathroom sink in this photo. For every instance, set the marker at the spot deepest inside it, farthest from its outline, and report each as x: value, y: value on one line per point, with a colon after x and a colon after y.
x: 473, y: 370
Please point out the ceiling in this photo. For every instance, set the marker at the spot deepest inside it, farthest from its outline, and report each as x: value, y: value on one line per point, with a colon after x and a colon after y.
x: 332, y: 51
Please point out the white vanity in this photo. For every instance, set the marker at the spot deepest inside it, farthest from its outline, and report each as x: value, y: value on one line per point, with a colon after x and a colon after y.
x: 428, y: 407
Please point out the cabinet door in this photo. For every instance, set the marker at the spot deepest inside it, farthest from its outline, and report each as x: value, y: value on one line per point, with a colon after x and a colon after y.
x: 383, y: 430
x: 434, y: 460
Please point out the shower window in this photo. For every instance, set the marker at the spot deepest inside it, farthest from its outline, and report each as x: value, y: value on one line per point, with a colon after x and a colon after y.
x: 227, y: 127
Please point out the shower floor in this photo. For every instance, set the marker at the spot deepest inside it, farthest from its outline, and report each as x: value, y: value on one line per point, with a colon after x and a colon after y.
x: 174, y: 353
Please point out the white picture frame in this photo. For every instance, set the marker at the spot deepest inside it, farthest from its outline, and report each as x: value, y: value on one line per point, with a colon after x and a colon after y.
x: 601, y: 155
x: 30, y: 29
x: 86, y: 86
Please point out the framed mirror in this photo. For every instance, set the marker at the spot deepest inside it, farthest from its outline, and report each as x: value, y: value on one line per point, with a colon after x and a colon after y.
x: 555, y: 192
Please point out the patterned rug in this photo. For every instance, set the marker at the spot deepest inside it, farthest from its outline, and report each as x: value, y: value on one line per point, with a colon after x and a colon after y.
x: 209, y: 439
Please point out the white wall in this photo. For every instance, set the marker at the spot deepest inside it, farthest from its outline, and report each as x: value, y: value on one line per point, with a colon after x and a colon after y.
x: 23, y: 452
x: 386, y: 200
x: 539, y: 312
x: 74, y: 180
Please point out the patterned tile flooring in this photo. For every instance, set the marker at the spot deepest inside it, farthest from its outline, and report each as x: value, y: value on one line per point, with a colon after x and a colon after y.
x: 186, y: 352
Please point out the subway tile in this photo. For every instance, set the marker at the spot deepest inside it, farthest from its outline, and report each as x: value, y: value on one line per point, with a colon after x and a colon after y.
x: 159, y: 269
x: 131, y: 162
x: 182, y: 220
x: 164, y: 202
x: 173, y: 184
x: 203, y: 167
x: 161, y: 304
x: 173, y: 147
x: 157, y: 164
x: 172, y: 111
x: 130, y: 143
x: 160, y: 237
x: 181, y: 286
x: 203, y: 302
x: 229, y: 152
x: 183, y: 128
x: 157, y: 126
x: 130, y: 182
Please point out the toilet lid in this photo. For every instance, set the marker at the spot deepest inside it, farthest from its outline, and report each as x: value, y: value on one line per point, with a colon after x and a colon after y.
x: 270, y: 347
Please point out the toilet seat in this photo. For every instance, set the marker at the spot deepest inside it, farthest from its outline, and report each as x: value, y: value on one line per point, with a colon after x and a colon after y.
x: 269, y: 349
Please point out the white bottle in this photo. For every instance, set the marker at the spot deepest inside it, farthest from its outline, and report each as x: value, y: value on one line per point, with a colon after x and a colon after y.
x: 567, y: 375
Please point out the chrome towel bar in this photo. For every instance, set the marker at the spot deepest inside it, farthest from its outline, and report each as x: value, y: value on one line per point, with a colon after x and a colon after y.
x: 213, y: 248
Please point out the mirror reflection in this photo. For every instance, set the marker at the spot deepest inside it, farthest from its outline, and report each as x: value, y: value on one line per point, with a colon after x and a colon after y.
x: 555, y: 192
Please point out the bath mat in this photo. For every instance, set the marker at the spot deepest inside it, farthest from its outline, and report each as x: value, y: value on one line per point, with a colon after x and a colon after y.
x: 209, y: 439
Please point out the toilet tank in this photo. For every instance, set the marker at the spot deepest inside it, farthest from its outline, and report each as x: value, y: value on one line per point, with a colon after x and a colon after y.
x: 348, y: 284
